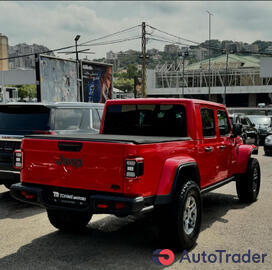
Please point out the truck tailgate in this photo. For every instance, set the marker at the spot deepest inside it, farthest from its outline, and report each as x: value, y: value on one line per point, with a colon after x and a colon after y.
x: 74, y: 164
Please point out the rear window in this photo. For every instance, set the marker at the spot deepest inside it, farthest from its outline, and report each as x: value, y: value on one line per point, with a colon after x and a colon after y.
x: 72, y: 119
x: 24, y: 118
x: 146, y: 119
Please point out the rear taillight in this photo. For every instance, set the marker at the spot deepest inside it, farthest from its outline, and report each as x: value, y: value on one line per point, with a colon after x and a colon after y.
x: 134, y: 167
x: 18, y: 162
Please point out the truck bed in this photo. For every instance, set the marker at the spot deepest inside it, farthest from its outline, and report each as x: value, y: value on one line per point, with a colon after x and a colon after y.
x: 110, y: 138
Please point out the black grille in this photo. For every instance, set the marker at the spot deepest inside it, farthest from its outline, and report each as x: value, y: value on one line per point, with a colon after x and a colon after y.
x: 9, y: 146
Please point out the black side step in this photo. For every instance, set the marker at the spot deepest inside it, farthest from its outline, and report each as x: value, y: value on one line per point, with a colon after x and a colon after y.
x: 217, y: 185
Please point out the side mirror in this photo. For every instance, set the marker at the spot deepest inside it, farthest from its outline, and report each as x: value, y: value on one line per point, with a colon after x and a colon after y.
x: 237, y: 130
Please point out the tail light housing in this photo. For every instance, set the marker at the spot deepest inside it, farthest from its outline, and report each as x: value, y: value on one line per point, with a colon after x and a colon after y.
x: 18, y: 161
x: 134, y: 167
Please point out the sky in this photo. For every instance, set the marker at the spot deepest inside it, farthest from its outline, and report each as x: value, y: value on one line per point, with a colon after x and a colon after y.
x: 56, y: 23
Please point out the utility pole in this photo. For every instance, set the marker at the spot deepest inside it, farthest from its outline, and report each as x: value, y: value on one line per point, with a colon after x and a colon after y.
x: 226, y: 80
x: 143, y: 60
x: 3, y: 88
x: 81, y: 96
x: 210, y: 14
x: 183, y: 75
x: 135, y: 86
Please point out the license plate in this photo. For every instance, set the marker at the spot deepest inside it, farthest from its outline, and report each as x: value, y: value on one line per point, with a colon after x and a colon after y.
x: 65, y: 198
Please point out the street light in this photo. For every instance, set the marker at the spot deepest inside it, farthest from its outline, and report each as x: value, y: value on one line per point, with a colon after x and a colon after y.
x: 76, y: 40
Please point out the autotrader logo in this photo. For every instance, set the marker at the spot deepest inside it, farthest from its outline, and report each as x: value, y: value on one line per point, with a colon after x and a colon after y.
x: 166, y: 257
x: 163, y: 257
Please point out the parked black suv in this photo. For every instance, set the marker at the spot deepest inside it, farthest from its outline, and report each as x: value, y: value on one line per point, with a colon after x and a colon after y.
x: 263, y: 124
x: 249, y: 132
x: 19, y: 119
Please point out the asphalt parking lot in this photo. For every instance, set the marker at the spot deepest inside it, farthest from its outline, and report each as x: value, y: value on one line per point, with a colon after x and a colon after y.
x: 28, y: 241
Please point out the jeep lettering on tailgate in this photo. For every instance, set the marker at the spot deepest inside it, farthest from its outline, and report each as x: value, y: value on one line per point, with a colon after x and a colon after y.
x: 69, y: 161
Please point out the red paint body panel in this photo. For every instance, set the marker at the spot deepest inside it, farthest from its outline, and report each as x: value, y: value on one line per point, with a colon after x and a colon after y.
x: 169, y: 171
x: 103, y: 162
x: 102, y: 165
x: 243, y: 154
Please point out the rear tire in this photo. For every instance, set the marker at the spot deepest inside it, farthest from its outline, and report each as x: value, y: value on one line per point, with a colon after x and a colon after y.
x: 182, y: 220
x: 248, y: 184
x: 68, y: 221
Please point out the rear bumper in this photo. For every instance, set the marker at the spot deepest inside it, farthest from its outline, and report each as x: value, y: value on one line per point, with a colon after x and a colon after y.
x: 9, y: 177
x: 94, y: 203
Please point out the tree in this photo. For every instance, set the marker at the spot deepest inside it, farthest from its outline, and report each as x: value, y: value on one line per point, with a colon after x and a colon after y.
x: 27, y: 91
x: 124, y: 84
x: 132, y: 71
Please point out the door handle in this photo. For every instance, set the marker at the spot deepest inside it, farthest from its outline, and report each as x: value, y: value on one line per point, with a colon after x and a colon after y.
x: 222, y: 147
x: 208, y: 149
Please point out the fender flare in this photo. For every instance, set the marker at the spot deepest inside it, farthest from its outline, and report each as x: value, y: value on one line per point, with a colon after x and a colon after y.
x: 170, y: 176
x: 244, y: 154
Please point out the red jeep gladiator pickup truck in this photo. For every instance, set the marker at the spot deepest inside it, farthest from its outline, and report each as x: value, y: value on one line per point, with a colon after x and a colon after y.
x: 151, y: 154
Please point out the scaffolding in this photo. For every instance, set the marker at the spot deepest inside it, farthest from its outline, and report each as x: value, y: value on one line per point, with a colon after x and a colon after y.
x: 172, y: 76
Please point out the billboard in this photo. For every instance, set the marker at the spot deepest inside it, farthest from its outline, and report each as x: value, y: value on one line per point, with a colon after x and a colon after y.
x: 57, y: 79
x: 96, y: 81
x: 266, y: 67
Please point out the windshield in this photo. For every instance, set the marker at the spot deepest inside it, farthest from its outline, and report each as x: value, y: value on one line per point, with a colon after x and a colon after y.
x: 146, y: 120
x: 24, y: 118
x: 261, y: 120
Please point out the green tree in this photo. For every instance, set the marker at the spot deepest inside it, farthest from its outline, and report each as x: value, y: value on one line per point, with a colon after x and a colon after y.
x: 132, y: 71
x: 27, y: 91
x: 124, y: 84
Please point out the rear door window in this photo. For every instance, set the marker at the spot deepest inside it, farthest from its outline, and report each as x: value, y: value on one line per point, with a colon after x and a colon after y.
x: 208, y: 122
x: 223, y: 123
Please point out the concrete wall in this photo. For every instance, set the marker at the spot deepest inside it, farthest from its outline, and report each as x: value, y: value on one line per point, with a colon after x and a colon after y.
x: 17, y: 77
x: 3, y: 52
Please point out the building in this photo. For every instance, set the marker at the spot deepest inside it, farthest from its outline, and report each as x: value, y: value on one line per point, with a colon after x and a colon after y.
x: 152, y: 52
x: 171, y: 49
x: 241, y: 80
x: 4, y: 64
x: 111, y: 55
x: 254, y: 48
x: 28, y: 61
x: 199, y: 53
x: 268, y: 49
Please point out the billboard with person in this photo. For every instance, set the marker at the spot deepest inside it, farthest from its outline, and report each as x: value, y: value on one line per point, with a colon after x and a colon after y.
x: 96, y: 81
